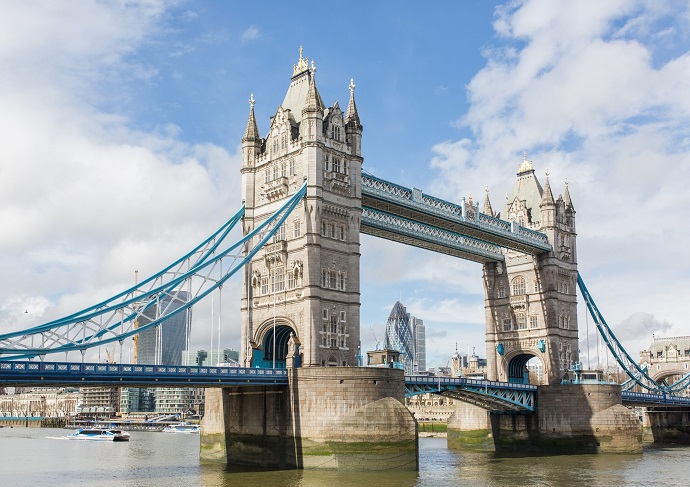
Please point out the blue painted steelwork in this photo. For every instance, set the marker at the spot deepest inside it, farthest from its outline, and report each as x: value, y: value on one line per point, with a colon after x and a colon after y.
x: 19, y: 373
x: 198, y: 273
x: 638, y: 374
x: 399, y: 229
x: 414, y: 205
x: 498, y: 397
x: 644, y: 398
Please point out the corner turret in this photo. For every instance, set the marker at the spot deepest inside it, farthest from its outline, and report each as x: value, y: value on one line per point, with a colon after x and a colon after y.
x: 353, y: 127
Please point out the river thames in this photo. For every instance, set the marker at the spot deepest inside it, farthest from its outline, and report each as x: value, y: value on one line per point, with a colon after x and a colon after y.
x: 43, y: 457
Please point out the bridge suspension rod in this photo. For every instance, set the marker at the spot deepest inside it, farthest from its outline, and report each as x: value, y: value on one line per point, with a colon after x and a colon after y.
x: 638, y: 375
x: 117, y: 318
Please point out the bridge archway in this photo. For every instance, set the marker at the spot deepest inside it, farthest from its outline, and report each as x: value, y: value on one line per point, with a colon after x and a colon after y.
x: 520, y: 373
x: 263, y: 356
x: 669, y: 376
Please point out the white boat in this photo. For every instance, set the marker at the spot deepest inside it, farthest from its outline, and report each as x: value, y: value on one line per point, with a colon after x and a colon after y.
x: 99, y: 434
x: 182, y: 428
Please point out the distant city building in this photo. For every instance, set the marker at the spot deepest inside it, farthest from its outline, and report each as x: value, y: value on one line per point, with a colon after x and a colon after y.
x: 46, y: 402
x: 471, y: 366
x: 227, y: 356
x: 178, y: 400
x: 399, y: 336
x: 384, y: 358
x: 163, y: 344
x: 100, y: 401
x: 418, y: 335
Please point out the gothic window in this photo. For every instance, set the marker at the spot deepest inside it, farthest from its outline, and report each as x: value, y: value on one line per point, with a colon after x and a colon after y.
x: 297, y: 229
x: 331, y: 229
x: 267, y: 172
x: 533, y: 322
x: 342, y: 232
x: 520, y: 320
x: 324, y: 315
x: 501, y: 291
x: 275, y: 171
x: 275, y: 143
x: 264, y: 284
x: 292, y: 167
x: 283, y: 141
x: 278, y: 279
x: 326, y: 163
x: 280, y: 233
x: 324, y: 278
x: 341, y: 281
x: 335, y: 132
x: 332, y: 280
x: 291, y: 280
x: 342, y: 319
x: 519, y: 286
x: 323, y: 229
x: 283, y: 169
x: 506, y: 324
x: 336, y: 164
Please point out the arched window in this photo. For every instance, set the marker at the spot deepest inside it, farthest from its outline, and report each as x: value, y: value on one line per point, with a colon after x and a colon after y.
x: 519, y: 286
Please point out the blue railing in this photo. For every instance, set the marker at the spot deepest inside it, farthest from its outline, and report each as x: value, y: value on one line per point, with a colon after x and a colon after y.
x: 69, y: 373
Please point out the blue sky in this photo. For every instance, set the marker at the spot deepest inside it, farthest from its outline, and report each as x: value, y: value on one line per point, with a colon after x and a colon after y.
x: 121, y: 122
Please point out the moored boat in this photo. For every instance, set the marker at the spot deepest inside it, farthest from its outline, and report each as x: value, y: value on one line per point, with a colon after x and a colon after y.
x: 182, y: 428
x: 99, y: 434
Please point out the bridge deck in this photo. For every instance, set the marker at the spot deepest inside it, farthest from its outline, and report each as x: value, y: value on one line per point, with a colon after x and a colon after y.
x: 26, y: 373
x: 381, y: 199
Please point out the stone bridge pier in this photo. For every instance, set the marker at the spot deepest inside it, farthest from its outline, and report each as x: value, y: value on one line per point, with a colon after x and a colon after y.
x: 570, y: 418
x: 326, y: 418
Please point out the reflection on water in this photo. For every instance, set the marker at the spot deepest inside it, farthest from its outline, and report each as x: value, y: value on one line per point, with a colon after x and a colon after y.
x: 31, y: 457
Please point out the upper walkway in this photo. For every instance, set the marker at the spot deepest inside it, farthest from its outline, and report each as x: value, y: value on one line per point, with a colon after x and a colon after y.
x: 409, y: 216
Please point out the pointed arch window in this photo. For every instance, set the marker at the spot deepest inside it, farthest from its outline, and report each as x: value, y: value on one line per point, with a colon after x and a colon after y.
x: 519, y: 286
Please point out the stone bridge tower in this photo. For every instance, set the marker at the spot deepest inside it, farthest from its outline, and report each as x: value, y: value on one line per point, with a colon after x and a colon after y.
x: 530, y: 301
x: 301, y: 292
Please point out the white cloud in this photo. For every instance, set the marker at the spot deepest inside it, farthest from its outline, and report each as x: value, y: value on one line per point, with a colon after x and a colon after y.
x: 580, y: 87
x: 250, y: 33
x: 84, y: 198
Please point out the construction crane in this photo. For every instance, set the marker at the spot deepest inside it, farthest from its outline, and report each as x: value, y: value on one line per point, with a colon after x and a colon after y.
x: 378, y: 342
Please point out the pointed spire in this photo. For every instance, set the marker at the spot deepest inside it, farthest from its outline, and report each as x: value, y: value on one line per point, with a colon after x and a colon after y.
x: 547, y: 195
x: 251, y: 133
x: 351, y: 115
x: 526, y: 166
x: 487, y: 204
x: 313, y: 102
x: 568, y: 201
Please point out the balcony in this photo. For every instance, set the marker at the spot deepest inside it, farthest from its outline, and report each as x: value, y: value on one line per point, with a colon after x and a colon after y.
x: 339, y: 182
x: 278, y: 188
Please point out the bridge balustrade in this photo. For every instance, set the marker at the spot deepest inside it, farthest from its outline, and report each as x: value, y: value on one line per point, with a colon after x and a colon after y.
x: 388, y: 191
x: 122, y: 374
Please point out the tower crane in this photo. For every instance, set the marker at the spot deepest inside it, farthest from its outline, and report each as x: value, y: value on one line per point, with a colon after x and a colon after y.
x: 378, y: 342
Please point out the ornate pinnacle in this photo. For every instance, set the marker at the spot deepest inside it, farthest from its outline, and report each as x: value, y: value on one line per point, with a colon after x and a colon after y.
x: 352, y: 86
x: 251, y: 101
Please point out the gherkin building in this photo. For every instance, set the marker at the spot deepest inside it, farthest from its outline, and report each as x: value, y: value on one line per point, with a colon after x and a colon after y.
x: 399, y: 336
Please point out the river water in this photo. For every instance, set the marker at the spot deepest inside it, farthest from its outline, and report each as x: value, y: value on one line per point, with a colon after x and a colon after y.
x: 43, y: 457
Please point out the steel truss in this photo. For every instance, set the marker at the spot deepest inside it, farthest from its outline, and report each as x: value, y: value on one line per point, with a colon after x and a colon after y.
x: 391, y: 227
x: 638, y: 374
x: 462, y: 219
x: 198, y: 273
x: 497, y: 397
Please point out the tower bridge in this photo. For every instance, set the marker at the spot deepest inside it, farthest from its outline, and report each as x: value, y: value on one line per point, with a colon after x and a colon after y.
x: 305, y: 203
